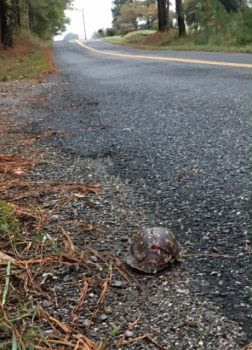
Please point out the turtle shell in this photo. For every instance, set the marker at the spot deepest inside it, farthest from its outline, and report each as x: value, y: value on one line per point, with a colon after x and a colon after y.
x: 152, y: 249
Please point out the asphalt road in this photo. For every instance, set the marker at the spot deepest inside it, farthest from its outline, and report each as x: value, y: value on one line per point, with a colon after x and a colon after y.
x: 177, y: 134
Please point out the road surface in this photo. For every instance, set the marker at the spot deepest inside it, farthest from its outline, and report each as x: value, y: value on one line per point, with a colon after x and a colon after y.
x: 176, y: 135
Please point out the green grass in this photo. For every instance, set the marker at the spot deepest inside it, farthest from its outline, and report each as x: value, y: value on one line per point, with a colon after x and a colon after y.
x: 27, y: 67
x: 28, y: 59
x: 8, y: 223
x: 140, y: 33
x: 151, y: 40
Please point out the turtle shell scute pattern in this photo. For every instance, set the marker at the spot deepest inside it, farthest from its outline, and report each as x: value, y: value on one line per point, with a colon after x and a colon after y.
x: 152, y: 249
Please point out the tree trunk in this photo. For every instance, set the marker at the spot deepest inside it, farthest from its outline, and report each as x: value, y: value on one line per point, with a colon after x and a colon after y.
x: 163, y: 9
x: 2, y: 20
x: 24, y: 16
x: 180, y: 18
x: 6, y: 23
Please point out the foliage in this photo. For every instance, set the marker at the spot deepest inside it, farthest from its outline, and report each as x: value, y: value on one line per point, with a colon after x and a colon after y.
x: 101, y: 33
x: 214, y: 23
x: 232, y: 5
x: 244, y: 27
x: 133, y: 11
x: 110, y: 32
x: 151, y: 40
x: 205, y: 14
x: 29, y: 58
x: 47, y: 17
x: 7, y: 220
x: 117, y: 4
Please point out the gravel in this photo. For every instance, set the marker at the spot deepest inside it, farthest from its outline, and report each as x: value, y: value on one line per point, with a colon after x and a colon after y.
x: 169, y: 147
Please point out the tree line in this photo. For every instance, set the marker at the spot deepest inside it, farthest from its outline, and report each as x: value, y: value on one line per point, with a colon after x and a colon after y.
x: 44, y: 18
x: 198, y: 15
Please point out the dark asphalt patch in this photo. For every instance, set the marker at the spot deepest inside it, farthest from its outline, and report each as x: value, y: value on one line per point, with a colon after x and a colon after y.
x: 151, y: 122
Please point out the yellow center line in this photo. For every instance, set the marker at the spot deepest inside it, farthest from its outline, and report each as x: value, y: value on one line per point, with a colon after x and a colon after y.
x: 167, y: 59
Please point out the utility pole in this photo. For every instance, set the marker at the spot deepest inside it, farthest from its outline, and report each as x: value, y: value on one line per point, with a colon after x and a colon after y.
x: 84, y: 24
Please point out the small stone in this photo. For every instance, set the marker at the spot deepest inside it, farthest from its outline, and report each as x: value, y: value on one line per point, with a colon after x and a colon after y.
x: 55, y: 218
x: 87, y: 323
x: 215, y: 250
x: 213, y: 273
x: 46, y: 303
x: 117, y: 284
x: 108, y: 310
x: 124, y: 238
x: 103, y: 317
x: 58, y: 288
x: 93, y: 258
x: 129, y: 334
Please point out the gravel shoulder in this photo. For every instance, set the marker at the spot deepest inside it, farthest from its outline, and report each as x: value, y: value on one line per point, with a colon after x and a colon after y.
x: 202, y: 304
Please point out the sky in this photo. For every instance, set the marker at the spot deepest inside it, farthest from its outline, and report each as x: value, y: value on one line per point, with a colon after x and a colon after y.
x: 97, y: 15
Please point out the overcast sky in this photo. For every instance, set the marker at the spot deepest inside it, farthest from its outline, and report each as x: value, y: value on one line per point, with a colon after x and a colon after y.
x: 97, y: 15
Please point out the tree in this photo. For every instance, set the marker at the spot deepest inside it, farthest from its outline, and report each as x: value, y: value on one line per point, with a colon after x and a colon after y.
x: 180, y: 18
x: 208, y: 15
x: 117, y: 4
x: 8, y: 21
x: 132, y: 11
x: 232, y: 5
x: 129, y: 13
x: 44, y: 17
x: 163, y: 12
x: 47, y: 18
x: 23, y: 7
x: 3, y: 9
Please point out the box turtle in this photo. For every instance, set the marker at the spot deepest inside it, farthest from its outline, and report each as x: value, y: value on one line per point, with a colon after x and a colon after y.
x: 152, y: 249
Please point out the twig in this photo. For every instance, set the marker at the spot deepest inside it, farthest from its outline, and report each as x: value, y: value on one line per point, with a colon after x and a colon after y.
x: 150, y: 339
x: 122, y: 340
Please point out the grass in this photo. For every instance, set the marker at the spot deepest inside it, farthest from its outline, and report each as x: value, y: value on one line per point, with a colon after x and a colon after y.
x: 7, y: 221
x: 29, y: 58
x: 152, y: 40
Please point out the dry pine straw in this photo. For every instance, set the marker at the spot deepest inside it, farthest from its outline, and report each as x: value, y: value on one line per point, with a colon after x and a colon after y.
x: 27, y: 260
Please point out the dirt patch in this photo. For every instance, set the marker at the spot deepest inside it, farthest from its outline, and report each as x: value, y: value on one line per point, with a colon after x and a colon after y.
x: 153, y: 39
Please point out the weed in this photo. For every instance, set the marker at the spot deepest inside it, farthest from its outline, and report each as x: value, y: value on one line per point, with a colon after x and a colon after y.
x: 8, y: 223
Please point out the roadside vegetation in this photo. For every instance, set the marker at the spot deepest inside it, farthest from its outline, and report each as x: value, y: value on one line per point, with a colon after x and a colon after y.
x: 26, y: 30
x: 29, y: 58
x: 154, y: 40
x: 201, y: 25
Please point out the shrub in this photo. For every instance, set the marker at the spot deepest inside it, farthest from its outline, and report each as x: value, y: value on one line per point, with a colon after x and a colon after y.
x: 244, y: 27
x: 111, y: 32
